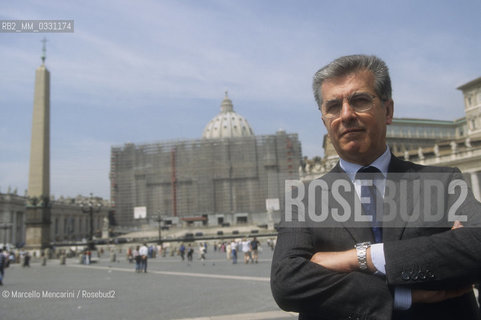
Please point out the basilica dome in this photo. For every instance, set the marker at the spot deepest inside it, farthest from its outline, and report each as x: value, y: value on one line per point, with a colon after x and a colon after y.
x: 227, y: 124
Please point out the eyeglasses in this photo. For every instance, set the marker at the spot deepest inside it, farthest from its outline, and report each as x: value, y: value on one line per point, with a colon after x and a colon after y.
x: 359, y: 102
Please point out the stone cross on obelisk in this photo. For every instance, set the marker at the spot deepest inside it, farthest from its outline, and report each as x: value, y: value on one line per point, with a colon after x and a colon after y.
x: 38, y: 206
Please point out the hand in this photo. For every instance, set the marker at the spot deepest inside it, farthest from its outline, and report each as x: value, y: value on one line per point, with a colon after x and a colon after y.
x: 340, y: 261
x: 431, y: 296
x: 457, y: 224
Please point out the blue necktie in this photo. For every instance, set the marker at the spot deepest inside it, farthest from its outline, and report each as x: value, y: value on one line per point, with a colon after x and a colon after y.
x: 370, y: 191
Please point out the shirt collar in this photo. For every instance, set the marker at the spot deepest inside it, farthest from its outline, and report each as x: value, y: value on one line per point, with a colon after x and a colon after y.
x: 382, y: 163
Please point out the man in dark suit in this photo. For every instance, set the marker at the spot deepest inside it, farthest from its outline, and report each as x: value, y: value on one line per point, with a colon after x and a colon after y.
x: 406, y: 263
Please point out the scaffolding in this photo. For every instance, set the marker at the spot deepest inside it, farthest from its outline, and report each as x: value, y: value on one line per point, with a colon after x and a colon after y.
x: 194, y: 178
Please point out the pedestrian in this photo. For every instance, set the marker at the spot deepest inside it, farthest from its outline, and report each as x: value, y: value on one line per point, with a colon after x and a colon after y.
x: 245, y: 245
x: 130, y: 257
x: 143, y: 251
x: 26, y: 260
x: 137, y: 258
x: 182, y: 251
x: 81, y: 254
x: 202, y: 252
x: 190, y: 254
x: 228, y: 250
x: 12, y: 258
x: 233, y: 249
x: 3, y: 263
x: 254, y: 249
x: 88, y: 254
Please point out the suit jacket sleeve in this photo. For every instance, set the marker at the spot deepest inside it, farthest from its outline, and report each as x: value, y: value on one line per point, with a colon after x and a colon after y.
x: 305, y: 287
x: 439, y: 260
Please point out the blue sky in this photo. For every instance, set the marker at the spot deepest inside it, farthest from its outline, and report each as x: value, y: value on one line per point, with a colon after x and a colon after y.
x: 146, y: 71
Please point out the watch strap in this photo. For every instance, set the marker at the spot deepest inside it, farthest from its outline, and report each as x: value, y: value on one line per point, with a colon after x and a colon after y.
x: 361, y: 251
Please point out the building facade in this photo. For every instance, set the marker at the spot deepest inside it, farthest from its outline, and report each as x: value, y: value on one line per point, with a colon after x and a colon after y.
x: 228, y: 176
x: 12, y: 218
x: 68, y: 222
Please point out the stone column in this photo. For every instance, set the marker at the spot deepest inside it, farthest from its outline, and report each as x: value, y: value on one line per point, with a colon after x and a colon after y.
x: 39, y: 174
x: 38, y: 207
x: 475, y: 185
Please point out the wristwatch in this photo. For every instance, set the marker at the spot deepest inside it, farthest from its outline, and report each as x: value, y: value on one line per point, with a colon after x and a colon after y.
x: 361, y: 250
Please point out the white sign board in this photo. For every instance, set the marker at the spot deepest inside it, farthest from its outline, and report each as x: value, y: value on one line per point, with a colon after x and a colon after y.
x: 272, y: 204
x: 140, y: 212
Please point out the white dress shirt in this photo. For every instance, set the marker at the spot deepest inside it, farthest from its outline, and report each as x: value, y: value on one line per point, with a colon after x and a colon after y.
x: 402, y: 296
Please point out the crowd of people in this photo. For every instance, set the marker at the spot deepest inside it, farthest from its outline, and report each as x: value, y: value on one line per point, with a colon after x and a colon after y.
x: 140, y: 256
x: 8, y: 257
x: 248, y: 248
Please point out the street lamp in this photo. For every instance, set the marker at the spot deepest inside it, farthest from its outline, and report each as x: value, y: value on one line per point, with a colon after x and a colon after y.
x: 90, y: 207
x: 159, y: 220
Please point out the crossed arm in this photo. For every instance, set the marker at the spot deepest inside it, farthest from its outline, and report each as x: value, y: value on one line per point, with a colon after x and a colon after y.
x: 305, y: 278
x: 346, y: 262
x: 303, y: 286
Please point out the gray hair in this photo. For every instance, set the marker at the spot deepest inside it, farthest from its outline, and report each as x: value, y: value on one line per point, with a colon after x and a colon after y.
x: 349, y: 64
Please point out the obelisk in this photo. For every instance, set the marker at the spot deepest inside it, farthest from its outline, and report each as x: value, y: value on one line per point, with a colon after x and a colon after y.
x: 38, y: 206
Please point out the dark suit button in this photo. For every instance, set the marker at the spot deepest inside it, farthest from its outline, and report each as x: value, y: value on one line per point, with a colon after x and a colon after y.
x: 429, y: 274
x: 415, y: 276
x: 422, y: 276
x: 405, y: 276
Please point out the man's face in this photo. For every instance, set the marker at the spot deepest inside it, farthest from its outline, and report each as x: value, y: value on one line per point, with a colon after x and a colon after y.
x: 357, y: 137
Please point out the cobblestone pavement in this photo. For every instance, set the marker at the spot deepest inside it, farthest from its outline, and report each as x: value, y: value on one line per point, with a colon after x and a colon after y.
x: 171, y: 289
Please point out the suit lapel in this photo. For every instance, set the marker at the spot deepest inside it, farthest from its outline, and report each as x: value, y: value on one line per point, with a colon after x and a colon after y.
x: 401, y: 175
x: 359, y: 231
